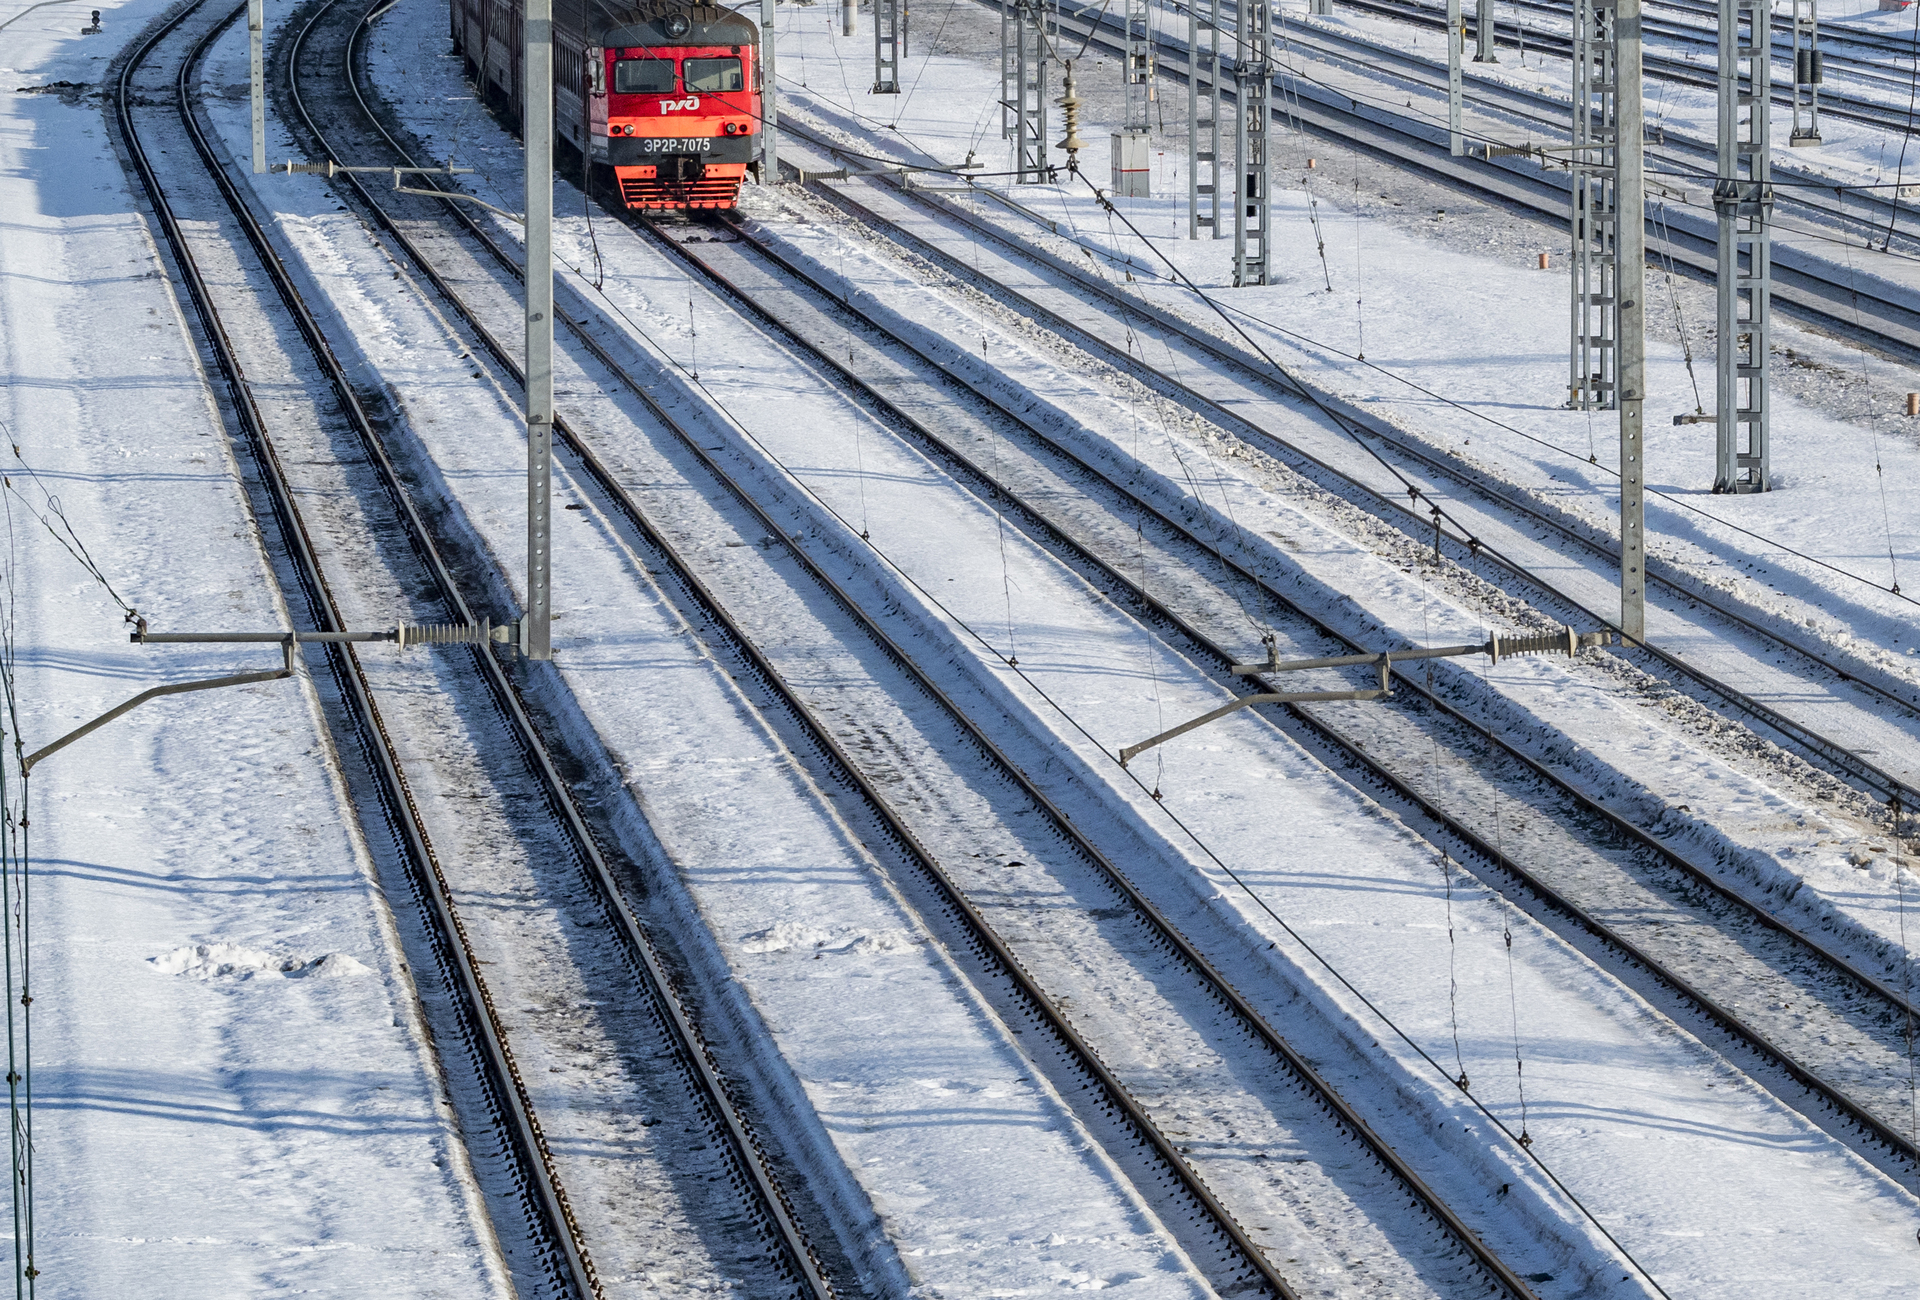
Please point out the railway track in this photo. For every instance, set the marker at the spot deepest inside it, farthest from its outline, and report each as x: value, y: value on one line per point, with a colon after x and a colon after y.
x: 1656, y: 913
x: 1241, y: 1261
x: 1471, y: 504
x: 1853, y: 303
x: 1680, y: 70
x: 357, y: 551
x: 1742, y: 1034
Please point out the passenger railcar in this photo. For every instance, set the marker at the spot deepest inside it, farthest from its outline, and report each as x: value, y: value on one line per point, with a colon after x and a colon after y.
x: 664, y: 94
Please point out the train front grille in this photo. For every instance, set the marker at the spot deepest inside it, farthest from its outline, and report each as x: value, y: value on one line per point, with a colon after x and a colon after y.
x: 707, y: 192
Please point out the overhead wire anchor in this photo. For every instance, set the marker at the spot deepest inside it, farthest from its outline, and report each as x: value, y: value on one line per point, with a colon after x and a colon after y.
x: 1566, y: 641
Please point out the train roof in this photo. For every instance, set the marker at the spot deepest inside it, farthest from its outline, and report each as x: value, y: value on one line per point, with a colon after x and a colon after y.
x: 617, y: 24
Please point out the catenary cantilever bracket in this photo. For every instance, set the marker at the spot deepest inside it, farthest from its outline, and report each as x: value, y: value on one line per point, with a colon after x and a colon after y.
x: 404, y: 635
x: 1566, y: 641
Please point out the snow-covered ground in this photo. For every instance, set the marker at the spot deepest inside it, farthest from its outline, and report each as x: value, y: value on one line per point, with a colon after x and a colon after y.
x: 234, y: 1095
x: 183, y: 1113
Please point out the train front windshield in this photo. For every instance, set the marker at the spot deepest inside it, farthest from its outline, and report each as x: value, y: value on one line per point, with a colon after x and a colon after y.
x: 644, y: 76
x: 714, y: 75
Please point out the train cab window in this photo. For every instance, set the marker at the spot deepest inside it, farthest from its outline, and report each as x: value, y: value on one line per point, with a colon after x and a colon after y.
x: 643, y: 76
x: 714, y: 75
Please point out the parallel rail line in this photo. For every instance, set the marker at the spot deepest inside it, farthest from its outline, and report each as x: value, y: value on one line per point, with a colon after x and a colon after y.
x: 1060, y: 539
x: 573, y: 1267
x: 486, y: 1036
x: 1469, y: 549
x: 988, y: 944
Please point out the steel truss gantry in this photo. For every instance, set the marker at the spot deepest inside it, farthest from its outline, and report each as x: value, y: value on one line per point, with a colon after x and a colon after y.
x: 1253, y: 123
x: 1023, y: 86
x: 1743, y: 201
x: 1594, y: 163
x: 1203, y: 116
x: 887, y: 39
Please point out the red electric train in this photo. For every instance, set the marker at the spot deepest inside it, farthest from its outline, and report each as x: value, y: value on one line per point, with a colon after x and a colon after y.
x: 664, y: 94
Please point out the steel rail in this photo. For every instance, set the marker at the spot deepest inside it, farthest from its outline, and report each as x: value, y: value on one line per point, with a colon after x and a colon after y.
x: 983, y: 935
x: 499, y: 1071
x: 1830, y: 753
x: 771, y: 1206
x: 1727, y: 1021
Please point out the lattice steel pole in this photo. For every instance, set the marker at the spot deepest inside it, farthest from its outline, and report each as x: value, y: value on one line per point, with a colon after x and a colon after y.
x: 1595, y: 217
x: 1743, y: 200
x: 886, y: 47
x: 1132, y: 144
x: 1253, y: 122
x: 1808, y: 73
x: 1631, y: 277
x: 1203, y: 114
x: 1030, y: 96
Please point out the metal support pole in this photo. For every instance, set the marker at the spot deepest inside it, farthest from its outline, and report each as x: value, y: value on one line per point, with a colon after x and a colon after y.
x: 769, y: 101
x: 1808, y: 73
x: 886, y: 46
x: 256, y: 29
x: 536, y: 638
x: 849, y: 18
x: 1743, y: 201
x: 1632, y: 281
x: 1253, y: 121
x: 1030, y: 93
x: 1132, y: 146
x: 1140, y: 66
x: 1203, y: 114
x: 1193, y: 121
x: 1456, y: 43
x: 1009, y: 70
x: 1483, y: 32
x: 1595, y: 213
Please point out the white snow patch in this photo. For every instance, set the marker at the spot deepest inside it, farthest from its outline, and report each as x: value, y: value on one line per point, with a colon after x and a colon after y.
x: 206, y: 961
x: 793, y: 936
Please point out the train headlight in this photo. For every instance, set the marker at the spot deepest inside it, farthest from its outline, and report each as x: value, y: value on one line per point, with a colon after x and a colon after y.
x: 733, y: 128
x: 678, y: 25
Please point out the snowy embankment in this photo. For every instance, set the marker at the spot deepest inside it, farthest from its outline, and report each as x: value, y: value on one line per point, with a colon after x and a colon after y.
x: 227, y: 1058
